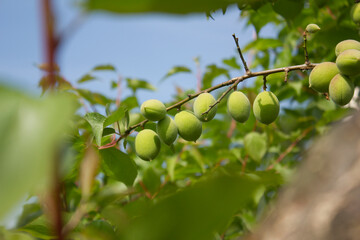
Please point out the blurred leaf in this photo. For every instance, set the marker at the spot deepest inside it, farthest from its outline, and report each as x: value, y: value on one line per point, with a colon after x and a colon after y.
x: 39, y: 228
x: 231, y: 62
x: 151, y: 179
x: 115, y: 116
x: 263, y: 44
x: 29, y: 213
x: 288, y: 9
x: 212, y: 72
x: 13, y: 235
x: 86, y: 78
x: 119, y: 165
x: 255, y: 145
x: 104, y: 67
x: 93, y: 97
x: 30, y: 130
x: 96, y: 120
x: 98, y: 230
x: 200, y: 210
x: 175, y: 70
x: 135, y: 84
x: 175, y: 6
x: 130, y: 102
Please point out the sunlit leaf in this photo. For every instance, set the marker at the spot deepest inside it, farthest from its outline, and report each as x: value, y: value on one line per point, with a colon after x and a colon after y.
x: 231, y: 62
x: 96, y: 120
x: 86, y: 78
x: 115, y: 116
x: 135, y: 84
x: 175, y: 70
x: 107, y: 67
x: 119, y: 165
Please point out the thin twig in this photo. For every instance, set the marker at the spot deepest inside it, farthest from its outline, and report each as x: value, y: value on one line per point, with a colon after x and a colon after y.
x: 290, y: 148
x: 307, y: 62
x: 240, y: 53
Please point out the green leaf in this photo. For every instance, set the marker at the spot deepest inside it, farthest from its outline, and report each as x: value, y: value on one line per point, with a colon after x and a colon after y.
x: 96, y: 121
x: 263, y: 44
x: 31, y: 130
x: 175, y: 70
x: 175, y: 6
x: 200, y: 210
x: 108, y: 131
x: 30, y: 212
x: 288, y: 9
x: 135, y: 84
x: 119, y: 165
x: 212, y: 72
x: 103, y: 67
x: 13, y: 235
x: 255, y: 145
x: 98, y: 229
x: 117, y: 115
x: 151, y: 179
x: 231, y: 62
x: 86, y: 78
x: 39, y: 228
x: 93, y: 97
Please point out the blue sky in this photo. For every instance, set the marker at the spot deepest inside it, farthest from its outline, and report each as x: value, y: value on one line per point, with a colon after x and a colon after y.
x: 139, y: 46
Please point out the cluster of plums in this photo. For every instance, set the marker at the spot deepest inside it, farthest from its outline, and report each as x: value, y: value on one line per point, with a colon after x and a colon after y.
x: 337, y: 79
x: 189, y: 124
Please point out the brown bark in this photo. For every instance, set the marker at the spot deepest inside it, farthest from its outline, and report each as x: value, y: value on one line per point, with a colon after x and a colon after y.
x: 323, y: 200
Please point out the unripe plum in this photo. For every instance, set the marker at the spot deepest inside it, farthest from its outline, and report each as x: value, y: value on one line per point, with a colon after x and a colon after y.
x: 321, y: 76
x: 153, y: 110
x: 348, y: 62
x: 312, y: 28
x: 346, y: 45
x: 147, y: 144
x: 341, y: 89
x: 167, y: 130
x: 238, y: 106
x: 189, y: 126
x: 355, y: 13
x: 266, y: 107
x: 201, y: 105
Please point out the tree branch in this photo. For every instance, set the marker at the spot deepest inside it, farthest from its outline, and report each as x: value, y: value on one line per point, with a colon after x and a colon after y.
x: 290, y: 148
x: 240, y: 53
x: 233, y: 82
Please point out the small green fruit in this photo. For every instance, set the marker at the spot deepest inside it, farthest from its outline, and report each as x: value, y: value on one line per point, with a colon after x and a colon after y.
x: 321, y: 76
x: 189, y: 126
x: 346, y: 45
x: 266, y: 107
x: 341, y: 89
x: 167, y: 130
x: 153, y: 110
x: 355, y: 13
x: 147, y: 144
x: 312, y: 28
x: 238, y: 106
x: 348, y: 62
x: 201, y: 105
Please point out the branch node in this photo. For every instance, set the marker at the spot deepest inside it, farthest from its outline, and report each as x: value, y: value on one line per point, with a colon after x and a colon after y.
x: 286, y: 74
x: 264, y: 84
